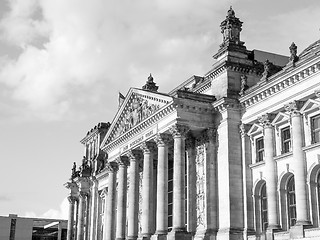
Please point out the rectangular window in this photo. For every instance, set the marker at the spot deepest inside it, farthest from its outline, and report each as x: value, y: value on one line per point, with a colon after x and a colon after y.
x: 315, y: 129
x: 286, y: 140
x: 259, y: 149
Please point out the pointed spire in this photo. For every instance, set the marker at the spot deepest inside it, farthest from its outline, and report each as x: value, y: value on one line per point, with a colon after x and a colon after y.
x: 150, y: 85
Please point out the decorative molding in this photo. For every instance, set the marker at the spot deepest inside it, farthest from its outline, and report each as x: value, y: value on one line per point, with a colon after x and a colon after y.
x: 111, y: 167
x: 162, y: 139
x: 178, y: 130
x: 266, y: 119
x: 200, y: 186
x: 293, y: 108
x: 147, y: 147
x: 123, y: 161
x: 258, y: 92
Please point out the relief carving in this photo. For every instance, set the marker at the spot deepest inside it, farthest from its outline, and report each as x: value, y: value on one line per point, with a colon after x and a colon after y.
x: 200, y: 186
x: 139, y: 110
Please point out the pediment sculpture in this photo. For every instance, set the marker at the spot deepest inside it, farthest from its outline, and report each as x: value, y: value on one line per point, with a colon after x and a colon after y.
x: 139, y: 110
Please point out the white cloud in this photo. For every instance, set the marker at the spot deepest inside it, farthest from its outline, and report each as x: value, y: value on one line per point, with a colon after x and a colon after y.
x: 98, y: 42
x: 61, y: 213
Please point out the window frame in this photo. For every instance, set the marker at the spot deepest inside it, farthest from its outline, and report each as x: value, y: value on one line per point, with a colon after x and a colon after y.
x: 264, y: 208
x: 291, y: 205
x: 260, y: 151
x: 315, y: 132
x: 285, y: 141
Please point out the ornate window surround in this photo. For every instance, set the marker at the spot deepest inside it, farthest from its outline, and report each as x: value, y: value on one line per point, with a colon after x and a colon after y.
x: 255, y: 133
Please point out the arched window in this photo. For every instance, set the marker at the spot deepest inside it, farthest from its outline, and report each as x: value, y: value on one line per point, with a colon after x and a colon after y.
x: 318, y: 191
x: 291, y: 196
x: 264, y: 207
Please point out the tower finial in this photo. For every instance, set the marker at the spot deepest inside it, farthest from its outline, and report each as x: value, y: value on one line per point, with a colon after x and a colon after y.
x: 150, y: 85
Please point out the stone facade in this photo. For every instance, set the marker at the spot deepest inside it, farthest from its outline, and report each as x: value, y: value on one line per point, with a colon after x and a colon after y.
x: 233, y: 154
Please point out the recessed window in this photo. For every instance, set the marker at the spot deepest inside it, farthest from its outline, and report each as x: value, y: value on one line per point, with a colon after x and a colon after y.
x: 315, y: 129
x: 291, y: 195
x: 259, y: 149
x: 264, y: 208
x: 286, y: 140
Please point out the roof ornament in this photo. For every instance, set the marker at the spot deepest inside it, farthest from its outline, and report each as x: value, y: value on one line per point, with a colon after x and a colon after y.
x: 230, y: 29
x: 150, y: 85
x: 231, y: 12
x: 293, y: 54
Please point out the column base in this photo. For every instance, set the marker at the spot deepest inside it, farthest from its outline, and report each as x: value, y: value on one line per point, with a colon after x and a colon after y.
x: 159, y: 235
x: 132, y: 238
x: 230, y: 234
x: 179, y: 235
x: 145, y: 237
x: 297, y: 231
x: 206, y: 234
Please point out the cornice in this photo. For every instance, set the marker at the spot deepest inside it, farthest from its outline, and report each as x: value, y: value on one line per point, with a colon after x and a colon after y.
x: 278, y: 82
x: 224, y: 104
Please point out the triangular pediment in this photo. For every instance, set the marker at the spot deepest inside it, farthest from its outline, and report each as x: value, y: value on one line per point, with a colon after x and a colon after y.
x: 310, y: 105
x: 256, y: 128
x: 280, y: 118
x: 137, y: 106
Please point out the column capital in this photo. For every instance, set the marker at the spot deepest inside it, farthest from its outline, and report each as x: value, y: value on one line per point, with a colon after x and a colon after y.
x: 83, y: 194
x: 162, y: 139
x: 134, y: 155
x: 112, y: 167
x: 147, y: 147
x: 190, y: 141
x: 293, y: 108
x: 72, y: 199
x: 123, y: 161
x: 243, y: 129
x: 178, y: 130
x: 211, y: 133
x: 266, y: 119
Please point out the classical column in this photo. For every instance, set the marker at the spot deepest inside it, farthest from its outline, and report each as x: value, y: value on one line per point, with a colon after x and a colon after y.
x: 133, y: 195
x: 109, y: 223
x: 271, y: 171
x: 299, y: 163
x: 70, y: 231
x: 123, y: 162
x: 82, y: 206
x: 147, y: 190
x: 179, y: 222
x: 192, y: 186
x: 94, y: 207
x: 162, y: 185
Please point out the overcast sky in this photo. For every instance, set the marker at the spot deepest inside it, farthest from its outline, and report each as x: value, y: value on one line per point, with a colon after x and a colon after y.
x: 62, y: 64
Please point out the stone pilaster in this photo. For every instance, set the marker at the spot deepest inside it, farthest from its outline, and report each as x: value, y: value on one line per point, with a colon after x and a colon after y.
x: 179, y: 222
x: 147, y: 223
x: 110, y: 220
x: 73, y: 197
x: 270, y: 173
x: 299, y: 163
x: 162, y: 187
x: 248, y: 210
x: 81, y: 215
x: 123, y: 163
x: 70, y: 231
x: 133, y: 194
x: 94, y: 209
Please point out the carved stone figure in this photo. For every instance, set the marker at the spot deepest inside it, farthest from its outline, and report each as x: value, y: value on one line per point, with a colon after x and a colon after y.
x: 293, y: 53
x: 244, y: 85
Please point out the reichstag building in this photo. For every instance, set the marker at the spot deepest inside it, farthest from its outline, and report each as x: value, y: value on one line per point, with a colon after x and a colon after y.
x: 233, y: 154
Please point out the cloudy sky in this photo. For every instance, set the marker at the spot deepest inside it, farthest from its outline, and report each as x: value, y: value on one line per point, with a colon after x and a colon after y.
x: 62, y: 64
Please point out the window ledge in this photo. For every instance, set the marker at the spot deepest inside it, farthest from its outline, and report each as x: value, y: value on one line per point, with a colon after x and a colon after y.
x: 282, y: 156
x: 257, y: 164
x: 309, y: 147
